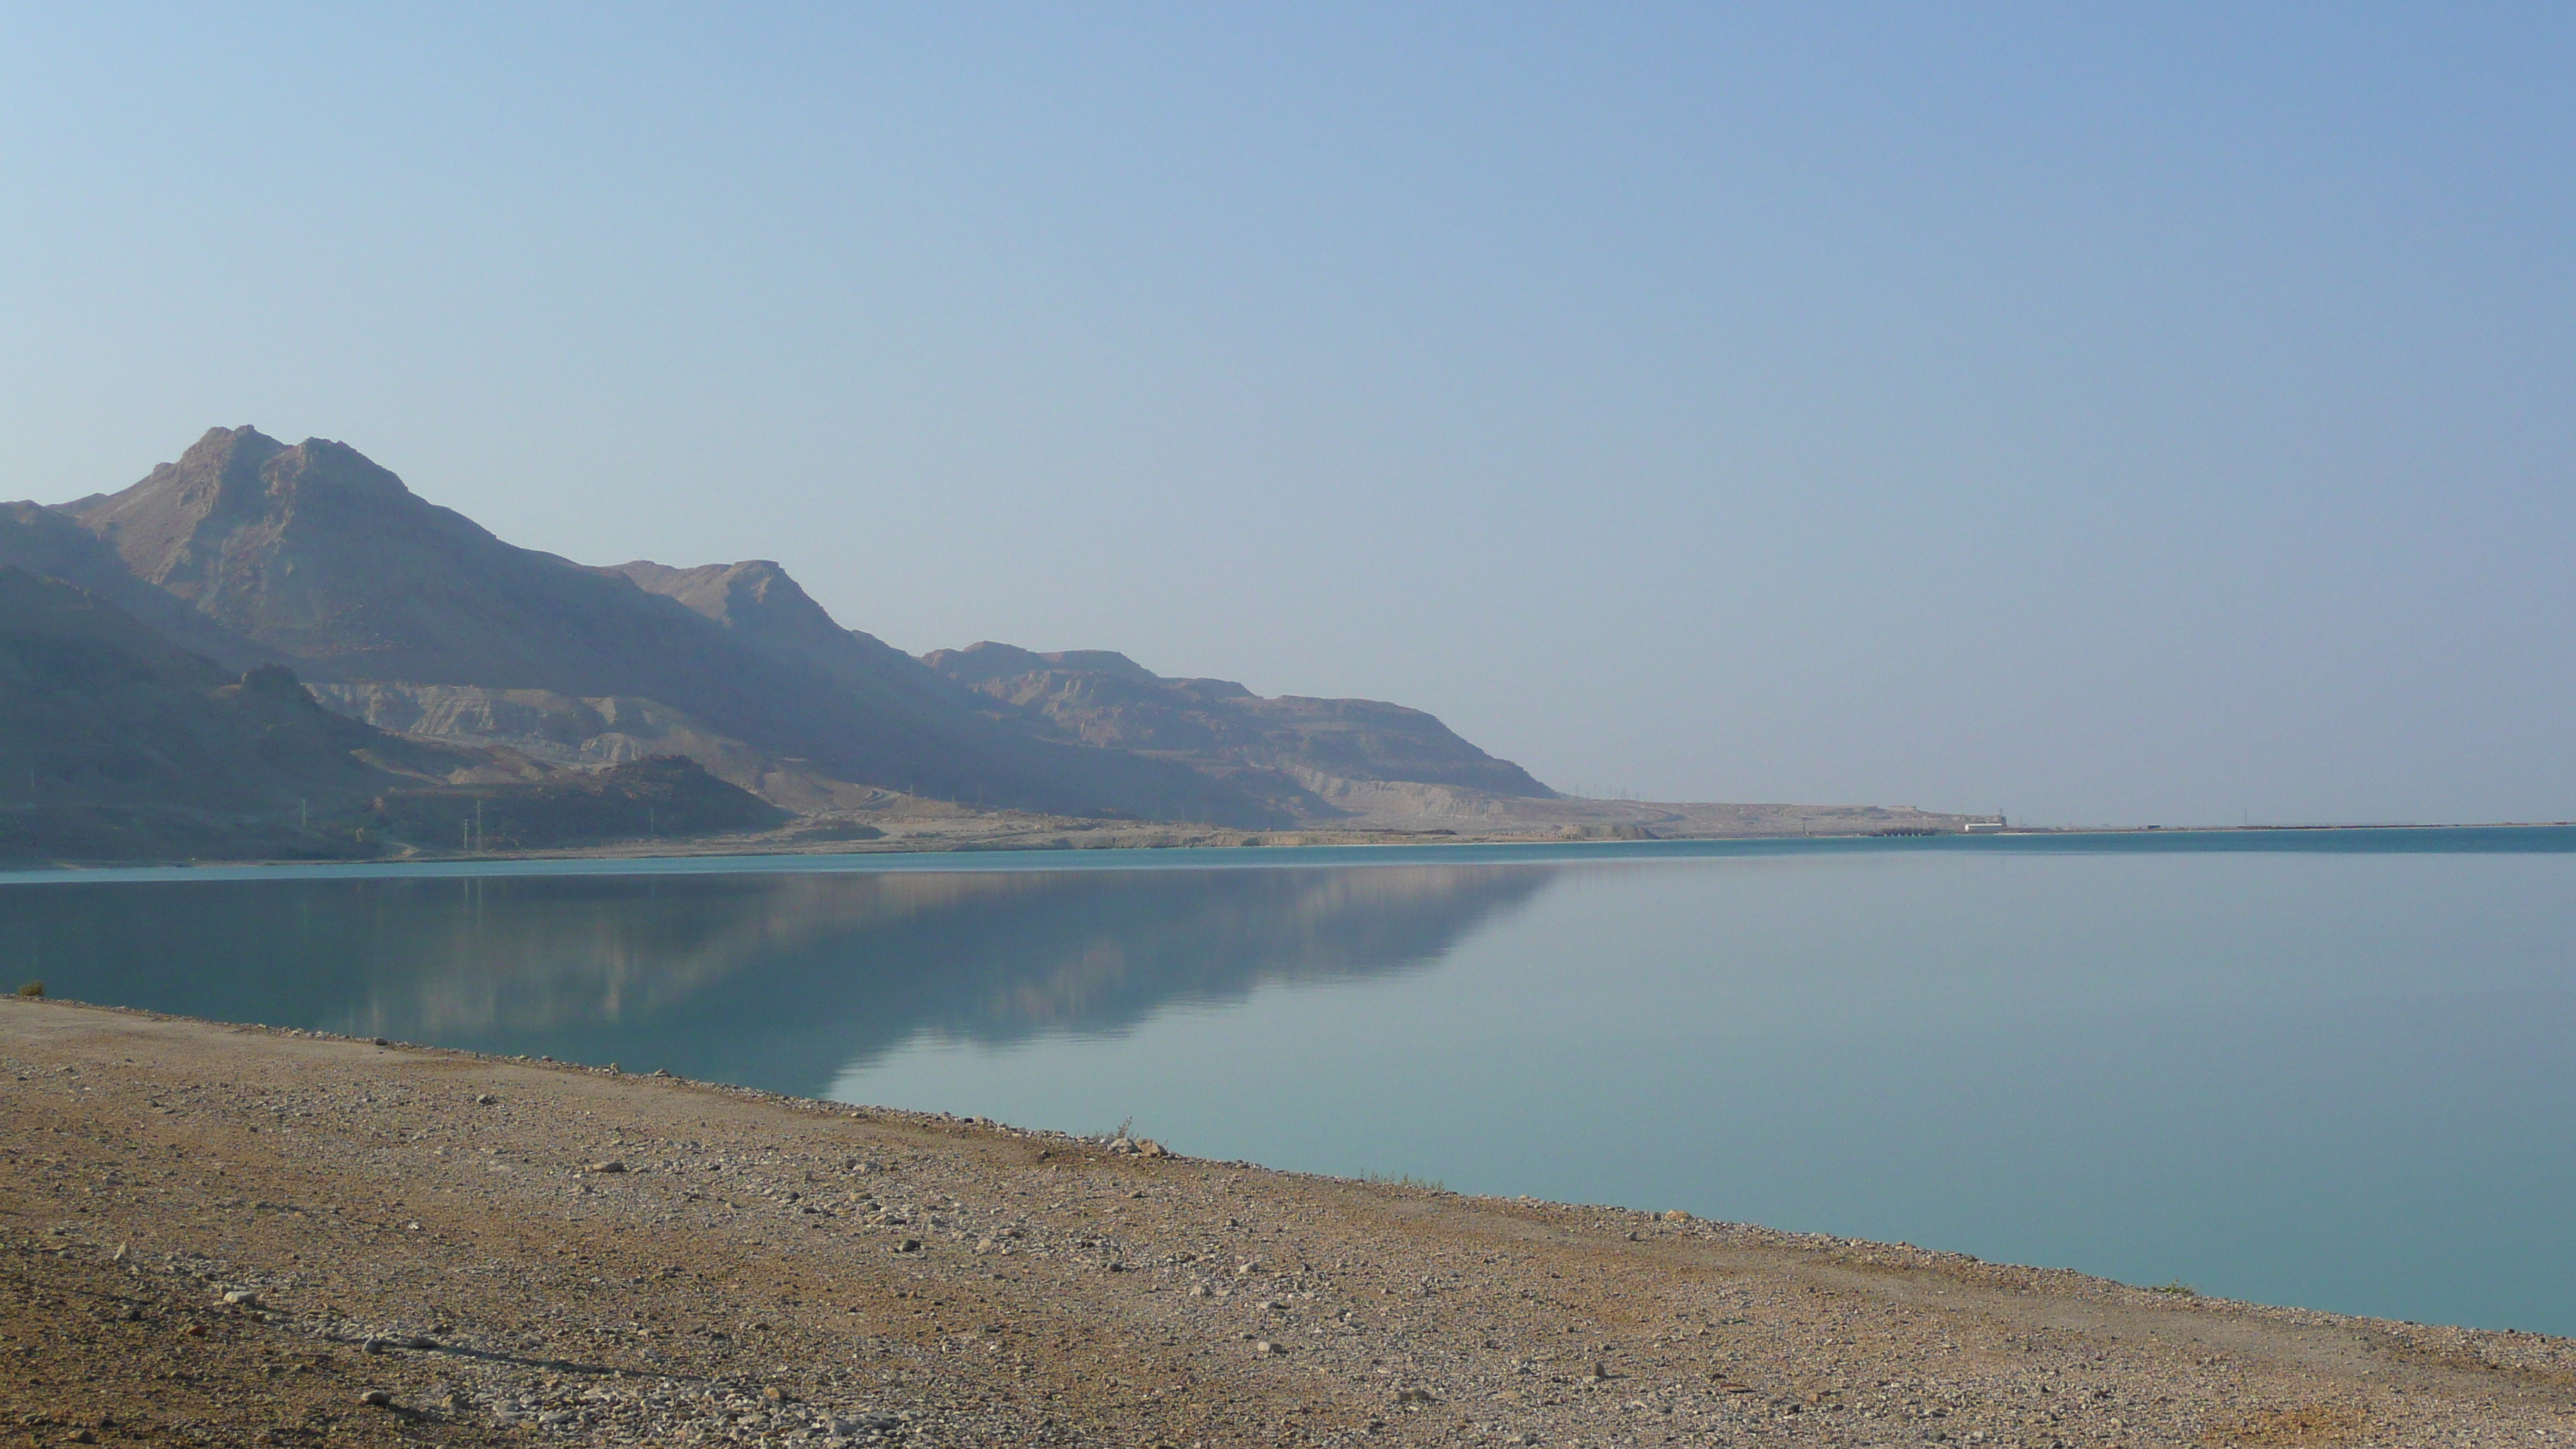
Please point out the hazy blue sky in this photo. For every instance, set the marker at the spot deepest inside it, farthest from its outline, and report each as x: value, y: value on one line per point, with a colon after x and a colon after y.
x: 2145, y: 414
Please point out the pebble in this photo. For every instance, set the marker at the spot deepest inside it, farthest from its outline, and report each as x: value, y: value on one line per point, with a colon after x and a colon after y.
x: 376, y: 1398
x: 610, y: 1166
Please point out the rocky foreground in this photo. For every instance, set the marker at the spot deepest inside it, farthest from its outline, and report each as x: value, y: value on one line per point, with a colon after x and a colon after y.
x: 229, y: 1235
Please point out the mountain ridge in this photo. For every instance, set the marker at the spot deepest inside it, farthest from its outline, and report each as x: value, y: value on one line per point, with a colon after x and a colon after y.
x: 307, y: 578
x: 316, y: 553
x: 1300, y: 753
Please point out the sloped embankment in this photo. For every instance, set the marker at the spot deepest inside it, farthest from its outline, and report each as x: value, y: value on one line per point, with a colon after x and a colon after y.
x: 225, y: 1234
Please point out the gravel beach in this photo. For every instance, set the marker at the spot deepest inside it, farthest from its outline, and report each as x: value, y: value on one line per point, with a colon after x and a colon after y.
x: 231, y: 1235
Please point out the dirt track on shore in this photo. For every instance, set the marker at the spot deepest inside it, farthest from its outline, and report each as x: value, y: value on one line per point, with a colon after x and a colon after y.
x: 510, y: 1252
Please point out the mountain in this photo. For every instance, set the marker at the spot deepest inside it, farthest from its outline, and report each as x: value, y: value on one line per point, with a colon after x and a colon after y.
x: 1306, y: 756
x: 257, y: 622
x: 317, y: 556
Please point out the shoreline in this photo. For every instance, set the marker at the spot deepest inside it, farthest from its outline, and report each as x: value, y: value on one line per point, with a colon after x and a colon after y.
x: 447, y: 1229
x: 1055, y: 844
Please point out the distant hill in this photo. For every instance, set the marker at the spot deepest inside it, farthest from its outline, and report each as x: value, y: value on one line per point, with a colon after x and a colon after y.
x: 318, y: 556
x: 666, y: 797
x: 1298, y: 754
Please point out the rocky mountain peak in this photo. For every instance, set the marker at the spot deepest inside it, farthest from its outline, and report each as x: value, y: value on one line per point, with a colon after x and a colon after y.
x: 321, y: 466
x: 217, y: 480
x: 170, y: 527
x: 754, y: 596
x: 984, y: 661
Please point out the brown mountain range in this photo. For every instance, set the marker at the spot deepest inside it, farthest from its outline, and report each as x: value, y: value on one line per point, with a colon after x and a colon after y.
x: 403, y: 614
x: 318, y: 556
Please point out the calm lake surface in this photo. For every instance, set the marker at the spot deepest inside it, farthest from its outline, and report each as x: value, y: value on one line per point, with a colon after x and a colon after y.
x: 2329, y: 1069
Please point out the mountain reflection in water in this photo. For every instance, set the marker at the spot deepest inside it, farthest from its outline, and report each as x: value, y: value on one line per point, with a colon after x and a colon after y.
x: 781, y: 981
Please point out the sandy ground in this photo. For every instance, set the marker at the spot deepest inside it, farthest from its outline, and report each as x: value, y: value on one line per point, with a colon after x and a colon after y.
x: 228, y: 1235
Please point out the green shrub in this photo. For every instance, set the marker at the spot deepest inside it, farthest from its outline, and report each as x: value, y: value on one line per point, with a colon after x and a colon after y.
x: 32, y: 990
x: 1404, y: 1179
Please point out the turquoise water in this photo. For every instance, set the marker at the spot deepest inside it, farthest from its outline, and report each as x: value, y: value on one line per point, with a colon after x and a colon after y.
x: 2321, y: 1068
